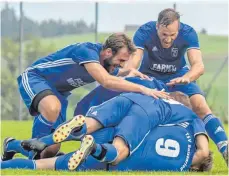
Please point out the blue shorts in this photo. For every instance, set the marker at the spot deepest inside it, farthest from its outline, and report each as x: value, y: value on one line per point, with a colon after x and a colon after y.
x: 111, y: 112
x: 134, y: 128
x: 189, y: 89
x: 31, y: 84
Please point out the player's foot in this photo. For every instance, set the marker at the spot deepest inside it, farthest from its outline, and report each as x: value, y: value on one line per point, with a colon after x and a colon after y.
x: 34, y: 146
x: 225, y: 155
x: 87, y: 145
x: 69, y: 130
x: 7, y: 155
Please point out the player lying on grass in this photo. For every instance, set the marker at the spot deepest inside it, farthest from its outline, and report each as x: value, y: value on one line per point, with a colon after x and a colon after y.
x: 135, y: 117
x: 145, y: 158
x: 45, y: 85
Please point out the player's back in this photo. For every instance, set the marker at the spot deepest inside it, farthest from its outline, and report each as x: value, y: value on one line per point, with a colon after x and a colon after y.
x: 63, y: 69
x: 162, y: 111
x: 165, y: 148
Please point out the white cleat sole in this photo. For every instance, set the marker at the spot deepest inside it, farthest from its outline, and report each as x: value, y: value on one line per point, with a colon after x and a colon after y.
x: 63, y: 131
x: 80, y: 155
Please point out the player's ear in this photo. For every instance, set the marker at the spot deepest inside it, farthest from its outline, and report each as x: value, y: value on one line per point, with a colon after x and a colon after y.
x: 157, y: 25
x: 109, y: 52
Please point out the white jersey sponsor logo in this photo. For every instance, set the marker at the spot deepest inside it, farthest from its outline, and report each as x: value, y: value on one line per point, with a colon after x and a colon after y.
x: 76, y: 82
x: 163, y: 68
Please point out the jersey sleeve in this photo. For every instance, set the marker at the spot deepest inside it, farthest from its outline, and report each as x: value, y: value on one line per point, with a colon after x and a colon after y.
x: 192, y: 39
x: 115, y: 72
x: 142, y: 35
x: 199, y: 127
x: 85, y: 55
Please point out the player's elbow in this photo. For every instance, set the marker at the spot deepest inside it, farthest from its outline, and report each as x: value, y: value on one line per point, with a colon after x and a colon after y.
x: 204, y: 154
x: 201, y: 69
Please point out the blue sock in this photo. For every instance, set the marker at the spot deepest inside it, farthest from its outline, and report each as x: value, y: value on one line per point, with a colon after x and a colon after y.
x: 109, y: 156
x: 216, y: 132
x: 18, y: 164
x: 15, y: 145
x: 98, y: 150
x: 48, y: 140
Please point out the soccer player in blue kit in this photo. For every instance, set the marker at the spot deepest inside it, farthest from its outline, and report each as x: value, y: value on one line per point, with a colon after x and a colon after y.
x: 147, y: 146
x: 46, y: 84
x: 161, y: 47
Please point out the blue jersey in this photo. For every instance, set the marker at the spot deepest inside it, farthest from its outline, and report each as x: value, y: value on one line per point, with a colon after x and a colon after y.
x: 165, y: 111
x: 163, y: 149
x: 159, y: 61
x: 64, y: 69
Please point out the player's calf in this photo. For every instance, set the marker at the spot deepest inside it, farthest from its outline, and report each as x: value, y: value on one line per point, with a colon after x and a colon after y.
x: 111, y: 153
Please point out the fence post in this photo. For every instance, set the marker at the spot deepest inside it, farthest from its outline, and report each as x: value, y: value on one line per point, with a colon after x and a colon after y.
x: 20, y: 54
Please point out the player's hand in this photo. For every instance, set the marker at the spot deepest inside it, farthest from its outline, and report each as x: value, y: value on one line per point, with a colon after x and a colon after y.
x: 135, y: 73
x: 156, y: 93
x: 179, y: 80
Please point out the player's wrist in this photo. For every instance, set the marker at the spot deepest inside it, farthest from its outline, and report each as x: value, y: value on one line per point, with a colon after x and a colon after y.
x: 144, y: 90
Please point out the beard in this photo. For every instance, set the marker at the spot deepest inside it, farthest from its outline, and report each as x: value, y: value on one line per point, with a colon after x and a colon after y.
x: 107, y: 64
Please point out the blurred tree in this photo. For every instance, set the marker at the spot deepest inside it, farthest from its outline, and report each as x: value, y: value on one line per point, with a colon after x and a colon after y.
x: 46, y: 28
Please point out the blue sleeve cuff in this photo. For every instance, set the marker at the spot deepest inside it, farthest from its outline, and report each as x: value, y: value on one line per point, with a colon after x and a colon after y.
x: 115, y: 72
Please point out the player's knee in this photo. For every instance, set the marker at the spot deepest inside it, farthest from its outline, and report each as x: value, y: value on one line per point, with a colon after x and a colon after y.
x: 50, y: 110
x: 122, y: 150
x: 50, y: 151
x: 123, y: 153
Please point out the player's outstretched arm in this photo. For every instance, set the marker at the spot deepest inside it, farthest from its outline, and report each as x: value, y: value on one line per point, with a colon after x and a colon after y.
x: 196, y: 62
x: 197, y: 68
x: 118, y: 84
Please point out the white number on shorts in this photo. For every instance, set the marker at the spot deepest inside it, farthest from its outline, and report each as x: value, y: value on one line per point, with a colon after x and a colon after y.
x: 168, y: 147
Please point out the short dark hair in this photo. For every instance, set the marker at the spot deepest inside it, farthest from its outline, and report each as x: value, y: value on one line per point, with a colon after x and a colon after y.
x: 207, y: 163
x: 117, y: 41
x: 168, y: 16
x: 182, y: 98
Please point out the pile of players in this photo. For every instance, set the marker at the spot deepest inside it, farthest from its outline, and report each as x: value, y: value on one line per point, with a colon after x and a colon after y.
x: 147, y: 114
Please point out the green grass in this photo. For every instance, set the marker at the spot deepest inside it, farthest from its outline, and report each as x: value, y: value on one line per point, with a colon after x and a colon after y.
x: 218, y: 96
x: 22, y: 130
